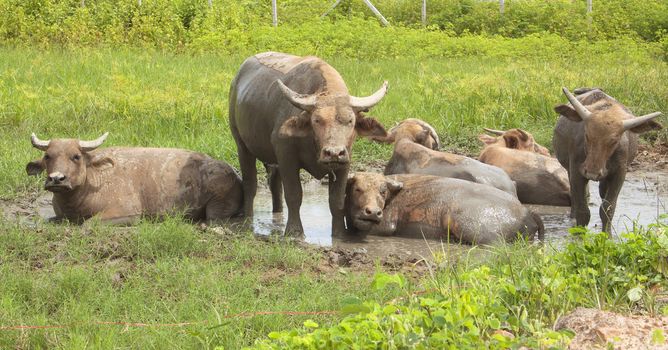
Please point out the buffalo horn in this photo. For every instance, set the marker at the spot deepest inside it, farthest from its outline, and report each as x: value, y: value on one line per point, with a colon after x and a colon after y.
x: 303, y: 101
x: 365, y: 103
x: 632, y: 123
x: 579, y: 107
x: 493, y: 131
x: 87, y: 146
x: 39, y: 144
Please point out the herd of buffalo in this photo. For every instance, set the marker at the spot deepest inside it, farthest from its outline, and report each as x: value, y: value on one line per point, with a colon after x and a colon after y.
x: 294, y: 113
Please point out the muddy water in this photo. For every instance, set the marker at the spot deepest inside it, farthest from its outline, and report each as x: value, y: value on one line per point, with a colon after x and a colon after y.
x: 643, y: 197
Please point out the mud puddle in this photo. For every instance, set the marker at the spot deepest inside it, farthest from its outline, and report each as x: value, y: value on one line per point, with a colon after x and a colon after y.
x: 643, y: 197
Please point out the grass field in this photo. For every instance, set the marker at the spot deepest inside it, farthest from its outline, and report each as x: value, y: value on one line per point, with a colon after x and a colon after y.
x: 174, y: 272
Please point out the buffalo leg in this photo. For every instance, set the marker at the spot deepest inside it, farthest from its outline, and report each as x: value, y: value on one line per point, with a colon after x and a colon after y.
x: 248, y: 177
x: 276, y: 188
x: 293, y: 197
x: 337, y: 194
x: 579, y: 204
x: 609, y: 190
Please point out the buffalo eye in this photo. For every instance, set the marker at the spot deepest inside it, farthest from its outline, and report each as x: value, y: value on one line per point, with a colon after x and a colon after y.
x: 47, y: 157
x: 383, y: 192
x: 76, y: 157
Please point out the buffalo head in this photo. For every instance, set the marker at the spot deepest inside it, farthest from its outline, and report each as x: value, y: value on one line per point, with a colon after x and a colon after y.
x: 605, y: 123
x: 415, y: 130
x: 513, y: 138
x: 333, y: 120
x: 366, y: 197
x: 65, y: 161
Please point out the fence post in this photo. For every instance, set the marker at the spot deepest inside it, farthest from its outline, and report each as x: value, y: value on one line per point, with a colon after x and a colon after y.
x: 83, y: 3
x: 274, y: 14
x: 589, y: 6
x: 139, y: 2
x: 210, y: 3
x: 502, y: 6
x: 376, y: 12
x: 424, y: 13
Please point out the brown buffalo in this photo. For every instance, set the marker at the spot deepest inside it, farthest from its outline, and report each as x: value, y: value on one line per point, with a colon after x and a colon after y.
x: 122, y: 184
x: 296, y: 113
x: 540, y: 179
x: 516, y: 139
x: 595, y: 138
x: 411, y: 156
x: 456, y: 210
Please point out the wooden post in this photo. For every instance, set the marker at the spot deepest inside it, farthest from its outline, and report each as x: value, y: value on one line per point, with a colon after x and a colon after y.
x: 376, y: 12
x: 274, y: 13
x: 424, y: 13
x: 502, y: 6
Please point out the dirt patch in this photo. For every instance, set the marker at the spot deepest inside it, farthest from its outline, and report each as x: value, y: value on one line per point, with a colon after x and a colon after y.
x: 651, y: 157
x: 597, y: 329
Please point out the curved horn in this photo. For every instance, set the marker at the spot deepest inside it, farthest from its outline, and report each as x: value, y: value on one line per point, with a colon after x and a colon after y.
x: 364, y: 103
x: 39, y: 144
x: 632, y: 123
x: 579, y: 107
x: 303, y: 101
x: 493, y: 131
x: 87, y: 146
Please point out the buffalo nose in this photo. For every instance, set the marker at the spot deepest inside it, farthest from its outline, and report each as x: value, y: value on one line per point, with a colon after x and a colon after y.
x: 334, y: 153
x: 373, y: 212
x: 56, y: 177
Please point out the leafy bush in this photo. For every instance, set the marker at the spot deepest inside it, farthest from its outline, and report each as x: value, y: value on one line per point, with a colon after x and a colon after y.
x: 507, y: 302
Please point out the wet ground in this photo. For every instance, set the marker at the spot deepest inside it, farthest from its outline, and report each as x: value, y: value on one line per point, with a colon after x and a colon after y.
x: 643, y: 197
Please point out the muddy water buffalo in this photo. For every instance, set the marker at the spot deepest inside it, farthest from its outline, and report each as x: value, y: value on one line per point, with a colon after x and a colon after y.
x: 122, y: 184
x: 410, y: 156
x: 296, y: 113
x: 414, y: 205
x: 517, y: 139
x: 595, y: 139
x: 539, y: 179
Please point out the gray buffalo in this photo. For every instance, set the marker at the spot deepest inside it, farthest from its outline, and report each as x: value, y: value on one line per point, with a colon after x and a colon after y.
x: 122, y: 184
x: 414, y: 153
x: 295, y: 113
x: 595, y: 138
x: 539, y: 178
x: 414, y: 205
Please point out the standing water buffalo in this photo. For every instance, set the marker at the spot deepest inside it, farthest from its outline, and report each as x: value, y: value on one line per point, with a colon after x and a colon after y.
x: 456, y: 210
x: 296, y: 112
x: 414, y: 153
x: 595, y: 139
x: 540, y: 179
x: 122, y: 184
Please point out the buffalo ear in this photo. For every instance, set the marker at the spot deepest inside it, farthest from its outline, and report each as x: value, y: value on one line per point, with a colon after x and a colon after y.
x: 35, y: 167
x: 101, y: 162
x: 296, y: 126
x: 486, y: 139
x: 541, y: 150
x: 512, y: 141
x: 370, y: 127
x: 647, y: 126
x: 568, y: 112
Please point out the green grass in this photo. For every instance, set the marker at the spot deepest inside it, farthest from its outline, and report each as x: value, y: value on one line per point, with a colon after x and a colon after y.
x: 167, y: 100
x: 165, y: 272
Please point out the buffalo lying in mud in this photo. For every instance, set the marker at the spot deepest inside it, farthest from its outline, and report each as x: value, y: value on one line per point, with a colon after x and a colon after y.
x: 595, y: 138
x: 122, y: 184
x: 540, y: 179
x: 411, y: 156
x: 296, y: 113
x: 436, y: 207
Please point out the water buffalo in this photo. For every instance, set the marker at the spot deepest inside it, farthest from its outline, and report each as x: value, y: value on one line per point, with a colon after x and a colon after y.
x: 517, y: 139
x: 456, y: 210
x: 540, y: 179
x: 122, y: 184
x: 296, y: 113
x: 410, y: 156
x: 595, y: 138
